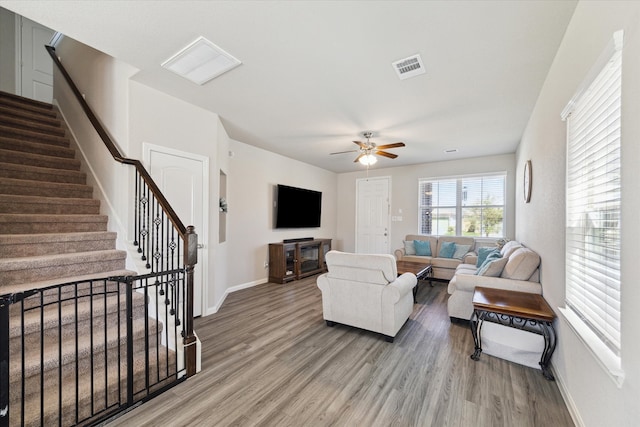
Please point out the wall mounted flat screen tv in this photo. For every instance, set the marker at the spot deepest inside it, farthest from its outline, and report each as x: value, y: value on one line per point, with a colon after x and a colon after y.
x: 297, y: 207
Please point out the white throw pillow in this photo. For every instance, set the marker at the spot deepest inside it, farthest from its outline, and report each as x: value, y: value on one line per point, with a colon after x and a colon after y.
x: 461, y: 251
x: 409, y: 247
x: 509, y: 248
x: 522, y: 264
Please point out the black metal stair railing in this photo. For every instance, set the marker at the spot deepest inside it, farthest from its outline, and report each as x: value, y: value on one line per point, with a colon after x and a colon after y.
x: 110, y: 344
x: 169, y: 250
x: 162, y: 239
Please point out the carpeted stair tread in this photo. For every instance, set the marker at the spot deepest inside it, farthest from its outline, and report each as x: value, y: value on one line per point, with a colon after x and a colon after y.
x: 36, y: 148
x: 47, y: 189
x: 17, y: 245
x: 11, y: 203
x: 29, y: 269
x: 40, y: 174
x: 82, y: 279
x: 50, y: 118
x: 114, y: 338
x: 42, y: 223
x: 51, y: 233
x: 29, y: 124
x: 32, y: 109
x: 18, y: 101
x: 95, y: 394
x: 23, y: 158
x: 32, y: 136
x: 66, y: 312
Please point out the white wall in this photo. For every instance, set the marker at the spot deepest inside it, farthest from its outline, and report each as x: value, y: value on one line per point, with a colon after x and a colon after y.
x: 591, y: 394
x: 253, y: 173
x: 160, y: 119
x: 404, y: 194
x: 7, y: 51
x: 104, y: 82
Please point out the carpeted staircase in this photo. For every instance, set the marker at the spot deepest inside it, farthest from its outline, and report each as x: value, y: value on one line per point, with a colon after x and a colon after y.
x: 52, y: 232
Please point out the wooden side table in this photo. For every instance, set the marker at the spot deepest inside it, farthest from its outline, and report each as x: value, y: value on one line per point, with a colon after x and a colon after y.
x: 520, y: 310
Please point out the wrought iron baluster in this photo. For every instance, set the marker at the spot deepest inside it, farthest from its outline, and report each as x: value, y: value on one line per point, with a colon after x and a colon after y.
x: 106, y: 346
x: 41, y: 358
x: 118, y: 308
x: 4, y: 361
x: 92, y: 364
x: 59, y: 304
x: 146, y: 335
x: 77, y: 355
x: 136, y: 217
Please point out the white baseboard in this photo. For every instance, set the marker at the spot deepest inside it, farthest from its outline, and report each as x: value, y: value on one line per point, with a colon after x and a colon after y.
x: 215, y: 308
x: 571, y: 406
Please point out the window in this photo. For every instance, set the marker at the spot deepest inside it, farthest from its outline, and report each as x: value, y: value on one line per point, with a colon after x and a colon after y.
x: 593, y: 201
x: 462, y: 206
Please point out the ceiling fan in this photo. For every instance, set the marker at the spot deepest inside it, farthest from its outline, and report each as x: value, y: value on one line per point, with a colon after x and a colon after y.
x: 368, y: 149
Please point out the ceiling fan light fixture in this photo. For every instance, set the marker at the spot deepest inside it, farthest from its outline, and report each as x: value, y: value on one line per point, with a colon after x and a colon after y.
x: 368, y: 159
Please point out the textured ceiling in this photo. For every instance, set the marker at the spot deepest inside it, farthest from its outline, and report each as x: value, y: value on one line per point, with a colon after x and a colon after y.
x: 315, y: 74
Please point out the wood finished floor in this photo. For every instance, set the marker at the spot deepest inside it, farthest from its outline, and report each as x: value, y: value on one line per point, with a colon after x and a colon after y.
x: 268, y: 359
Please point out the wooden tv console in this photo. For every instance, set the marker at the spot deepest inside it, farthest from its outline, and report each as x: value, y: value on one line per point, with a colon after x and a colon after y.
x: 295, y: 260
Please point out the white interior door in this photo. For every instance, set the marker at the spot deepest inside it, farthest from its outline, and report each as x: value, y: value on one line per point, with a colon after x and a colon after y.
x: 181, y: 178
x: 36, y: 67
x: 372, y: 215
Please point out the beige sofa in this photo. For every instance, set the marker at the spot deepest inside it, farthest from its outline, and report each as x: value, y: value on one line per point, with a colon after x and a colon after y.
x: 443, y: 268
x: 365, y: 291
x: 520, y: 272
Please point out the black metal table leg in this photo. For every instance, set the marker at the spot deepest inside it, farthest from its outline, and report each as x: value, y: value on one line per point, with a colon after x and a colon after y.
x: 549, y: 334
x: 476, y: 324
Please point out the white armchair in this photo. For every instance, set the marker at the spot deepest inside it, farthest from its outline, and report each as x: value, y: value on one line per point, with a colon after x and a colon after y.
x: 364, y: 290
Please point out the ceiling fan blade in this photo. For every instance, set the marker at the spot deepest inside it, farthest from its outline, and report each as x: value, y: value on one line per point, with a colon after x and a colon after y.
x: 358, y: 158
x: 385, y: 154
x: 394, y: 145
x: 360, y: 144
x: 342, y: 152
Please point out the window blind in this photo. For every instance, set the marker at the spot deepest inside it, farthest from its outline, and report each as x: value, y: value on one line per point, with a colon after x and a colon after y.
x: 593, y: 202
x: 463, y: 206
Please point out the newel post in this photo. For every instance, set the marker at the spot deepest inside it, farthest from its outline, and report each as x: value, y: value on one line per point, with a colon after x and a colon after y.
x: 189, y: 340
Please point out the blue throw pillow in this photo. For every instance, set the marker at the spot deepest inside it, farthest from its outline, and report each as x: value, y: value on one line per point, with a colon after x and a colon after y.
x: 447, y: 250
x: 423, y: 247
x: 483, y: 252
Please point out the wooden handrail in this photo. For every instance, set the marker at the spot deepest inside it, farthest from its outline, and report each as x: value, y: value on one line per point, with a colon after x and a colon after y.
x: 187, y: 234
x: 113, y: 149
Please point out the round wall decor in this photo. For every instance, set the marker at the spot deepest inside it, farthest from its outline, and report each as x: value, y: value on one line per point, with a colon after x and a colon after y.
x: 527, y: 181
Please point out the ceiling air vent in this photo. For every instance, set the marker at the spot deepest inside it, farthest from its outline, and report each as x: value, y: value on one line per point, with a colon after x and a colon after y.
x: 409, y: 67
x: 201, y: 61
